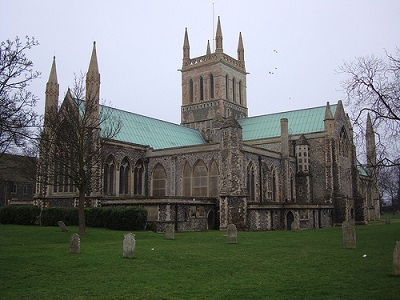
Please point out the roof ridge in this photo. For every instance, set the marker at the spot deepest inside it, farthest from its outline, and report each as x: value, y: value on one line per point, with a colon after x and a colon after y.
x: 288, y: 111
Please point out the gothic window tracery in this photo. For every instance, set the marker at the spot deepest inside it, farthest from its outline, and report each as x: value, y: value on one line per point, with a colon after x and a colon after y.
x: 200, y: 179
x: 124, y: 178
x: 186, y: 180
x: 159, y: 181
x: 250, y: 182
x: 109, y: 177
x: 138, y: 177
x: 213, y: 179
x: 344, y: 144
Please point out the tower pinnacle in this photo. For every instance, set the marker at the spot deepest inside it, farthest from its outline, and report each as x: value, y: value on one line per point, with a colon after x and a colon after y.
x: 186, y: 46
x: 218, y: 37
x: 240, y: 49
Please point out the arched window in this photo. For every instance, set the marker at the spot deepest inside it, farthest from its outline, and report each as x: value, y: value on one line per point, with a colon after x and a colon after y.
x: 233, y: 90
x: 250, y: 182
x: 201, y: 89
x: 344, y: 145
x: 191, y: 91
x: 138, y: 175
x: 186, y: 180
x: 200, y: 179
x: 274, y: 183
x: 109, y: 177
x: 211, y: 86
x: 213, y: 179
x: 124, y: 172
x: 292, y: 187
x: 240, y: 92
x: 227, y: 87
x: 159, y: 181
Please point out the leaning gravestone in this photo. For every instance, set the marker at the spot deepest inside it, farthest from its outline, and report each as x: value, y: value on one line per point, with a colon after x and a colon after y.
x: 232, y: 234
x: 396, y: 259
x: 129, y: 245
x: 169, y: 232
x: 62, y: 226
x: 75, y: 244
x: 349, y: 235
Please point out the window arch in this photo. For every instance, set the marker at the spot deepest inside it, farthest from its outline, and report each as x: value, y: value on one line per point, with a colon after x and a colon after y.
x: 274, y: 184
x: 292, y: 186
x: 109, y: 176
x: 138, y: 178
x: 159, y: 181
x: 250, y: 182
x: 191, y: 91
x: 213, y: 179
x: 227, y: 87
x: 200, y: 179
x: 240, y: 92
x: 186, y: 180
x: 124, y: 177
x: 201, y: 88
x: 344, y: 144
x: 211, y: 86
x: 234, y: 90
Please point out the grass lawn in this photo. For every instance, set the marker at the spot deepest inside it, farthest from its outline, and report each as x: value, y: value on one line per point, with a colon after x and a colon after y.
x: 308, y: 264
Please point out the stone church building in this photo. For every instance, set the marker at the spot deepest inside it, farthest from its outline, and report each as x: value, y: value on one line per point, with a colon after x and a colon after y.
x: 294, y: 169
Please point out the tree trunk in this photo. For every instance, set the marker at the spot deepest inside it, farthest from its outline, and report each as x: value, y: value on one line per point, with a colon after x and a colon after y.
x: 81, y: 212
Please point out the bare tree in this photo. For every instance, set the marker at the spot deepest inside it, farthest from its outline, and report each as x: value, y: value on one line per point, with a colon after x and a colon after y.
x: 373, y: 87
x: 389, y: 184
x: 17, y: 116
x: 72, y: 144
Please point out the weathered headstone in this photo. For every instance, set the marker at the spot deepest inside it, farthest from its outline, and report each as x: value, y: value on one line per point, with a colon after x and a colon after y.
x: 62, y: 226
x: 129, y: 245
x: 75, y: 243
x: 295, y: 226
x: 170, y: 232
x: 232, y: 234
x: 349, y: 235
x: 396, y: 259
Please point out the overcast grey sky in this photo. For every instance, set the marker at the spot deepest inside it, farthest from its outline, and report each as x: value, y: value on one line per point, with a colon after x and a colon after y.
x: 139, y: 46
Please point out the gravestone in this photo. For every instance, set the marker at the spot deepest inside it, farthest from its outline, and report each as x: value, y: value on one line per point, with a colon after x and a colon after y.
x: 62, y: 226
x: 75, y: 243
x: 349, y: 235
x: 387, y: 221
x: 232, y: 234
x: 170, y: 232
x: 295, y: 226
x: 129, y: 245
x: 396, y: 259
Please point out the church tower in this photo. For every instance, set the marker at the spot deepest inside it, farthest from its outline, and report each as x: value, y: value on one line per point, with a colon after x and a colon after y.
x: 213, y: 86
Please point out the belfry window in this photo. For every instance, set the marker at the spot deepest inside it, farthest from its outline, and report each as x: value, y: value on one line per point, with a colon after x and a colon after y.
x: 240, y: 92
x: 226, y: 87
x: 233, y: 90
x: 191, y: 91
x: 211, y: 86
x: 201, y: 89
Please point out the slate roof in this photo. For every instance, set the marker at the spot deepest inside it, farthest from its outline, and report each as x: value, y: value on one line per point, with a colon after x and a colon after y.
x: 158, y: 134
x: 301, y: 121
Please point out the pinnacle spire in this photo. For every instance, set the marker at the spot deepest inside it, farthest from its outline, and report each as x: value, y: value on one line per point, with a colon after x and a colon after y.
x: 93, y: 66
x: 186, y: 46
x: 328, y: 112
x: 240, y: 49
x: 53, y: 72
x: 208, y: 48
x: 218, y: 37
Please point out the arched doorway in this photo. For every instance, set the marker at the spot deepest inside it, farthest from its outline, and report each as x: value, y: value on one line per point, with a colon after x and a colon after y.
x: 289, y: 220
x: 212, y: 220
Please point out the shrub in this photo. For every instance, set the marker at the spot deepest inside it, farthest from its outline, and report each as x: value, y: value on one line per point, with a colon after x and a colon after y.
x: 51, y: 215
x: 19, y: 214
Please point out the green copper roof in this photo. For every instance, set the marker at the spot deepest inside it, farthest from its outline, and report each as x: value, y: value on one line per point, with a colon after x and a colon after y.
x: 158, y: 134
x: 300, y: 122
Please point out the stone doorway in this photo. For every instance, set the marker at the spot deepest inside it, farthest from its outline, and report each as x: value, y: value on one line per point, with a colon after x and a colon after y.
x: 289, y: 220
